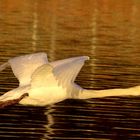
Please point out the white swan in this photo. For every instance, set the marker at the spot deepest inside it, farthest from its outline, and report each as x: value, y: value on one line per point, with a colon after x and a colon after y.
x: 42, y: 82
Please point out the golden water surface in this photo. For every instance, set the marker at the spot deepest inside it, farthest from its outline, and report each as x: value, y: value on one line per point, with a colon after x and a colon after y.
x: 108, y: 31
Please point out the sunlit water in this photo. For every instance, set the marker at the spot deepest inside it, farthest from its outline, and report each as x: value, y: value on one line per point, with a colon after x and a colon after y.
x: 109, y: 32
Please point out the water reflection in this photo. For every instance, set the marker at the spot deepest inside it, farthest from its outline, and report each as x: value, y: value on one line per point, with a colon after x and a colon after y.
x: 107, y: 31
x: 22, y: 123
x: 35, y: 27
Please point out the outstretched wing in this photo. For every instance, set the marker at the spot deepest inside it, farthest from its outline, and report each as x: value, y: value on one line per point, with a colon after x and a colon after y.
x: 4, y: 66
x: 14, y: 96
x: 67, y: 60
x: 24, y: 66
x: 67, y: 70
x: 62, y: 74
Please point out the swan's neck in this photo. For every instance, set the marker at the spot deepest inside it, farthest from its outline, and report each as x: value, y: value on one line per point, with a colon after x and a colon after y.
x: 86, y: 94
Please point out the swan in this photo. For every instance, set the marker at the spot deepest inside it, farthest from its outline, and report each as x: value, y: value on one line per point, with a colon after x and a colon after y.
x: 42, y: 82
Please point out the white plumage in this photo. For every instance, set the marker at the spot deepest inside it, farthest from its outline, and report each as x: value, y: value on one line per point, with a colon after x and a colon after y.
x: 51, y: 82
x: 45, y: 83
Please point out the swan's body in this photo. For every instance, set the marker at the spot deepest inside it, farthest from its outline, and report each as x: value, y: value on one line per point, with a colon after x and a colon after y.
x: 51, y: 82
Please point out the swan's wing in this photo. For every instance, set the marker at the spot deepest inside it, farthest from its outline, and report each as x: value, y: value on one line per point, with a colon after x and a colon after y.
x: 67, y: 72
x: 65, y: 61
x: 4, y: 66
x: 24, y: 66
x: 64, y: 73
x: 14, y: 96
x: 43, y: 77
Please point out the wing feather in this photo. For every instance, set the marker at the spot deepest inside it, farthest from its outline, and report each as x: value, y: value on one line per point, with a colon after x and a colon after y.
x: 4, y: 66
x: 62, y: 74
x: 43, y: 77
x: 66, y: 61
x: 24, y: 66
x: 66, y: 72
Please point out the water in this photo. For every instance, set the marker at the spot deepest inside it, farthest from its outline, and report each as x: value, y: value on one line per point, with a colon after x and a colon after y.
x: 108, y: 32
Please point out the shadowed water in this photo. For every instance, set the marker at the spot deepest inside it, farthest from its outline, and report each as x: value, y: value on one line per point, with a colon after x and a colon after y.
x: 108, y: 32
